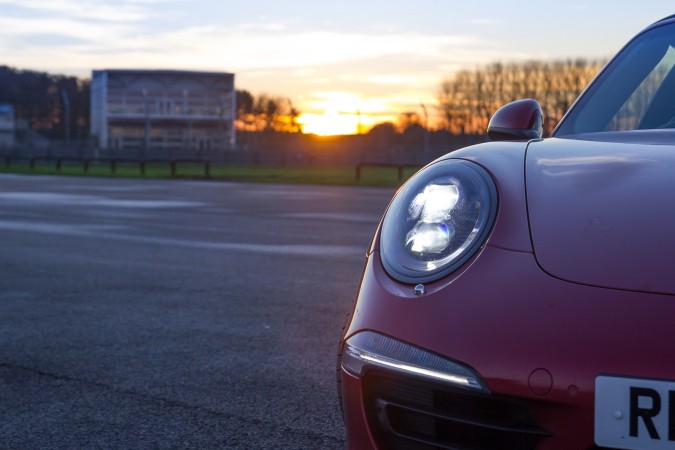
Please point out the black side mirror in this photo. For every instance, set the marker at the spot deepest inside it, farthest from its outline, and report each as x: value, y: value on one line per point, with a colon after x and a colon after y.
x: 522, y: 119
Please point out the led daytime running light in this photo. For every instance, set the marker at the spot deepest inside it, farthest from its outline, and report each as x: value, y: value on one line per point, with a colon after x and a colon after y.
x: 370, y: 349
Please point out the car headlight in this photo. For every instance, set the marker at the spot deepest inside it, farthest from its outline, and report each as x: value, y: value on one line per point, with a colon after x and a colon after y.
x: 437, y: 221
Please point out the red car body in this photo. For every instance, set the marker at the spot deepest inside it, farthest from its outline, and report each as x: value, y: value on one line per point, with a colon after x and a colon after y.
x: 571, y: 289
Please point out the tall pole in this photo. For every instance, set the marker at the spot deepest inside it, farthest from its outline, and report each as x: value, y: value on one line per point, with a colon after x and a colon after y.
x: 66, y: 118
x: 426, y: 128
x: 146, y: 141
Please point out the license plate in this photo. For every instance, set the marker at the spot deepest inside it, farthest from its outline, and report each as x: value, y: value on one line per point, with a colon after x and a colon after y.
x: 634, y: 413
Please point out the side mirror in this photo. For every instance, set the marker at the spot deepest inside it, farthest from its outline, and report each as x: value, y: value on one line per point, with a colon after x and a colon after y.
x: 522, y: 119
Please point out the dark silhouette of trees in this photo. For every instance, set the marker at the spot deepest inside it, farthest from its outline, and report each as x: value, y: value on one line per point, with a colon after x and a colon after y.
x: 411, y: 127
x: 38, y: 100
x: 408, y: 119
x: 466, y: 100
x: 268, y: 109
x: 469, y: 98
x: 244, y: 103
x: 384, y: 135
x: 266, y: 113
x: 293, y: 114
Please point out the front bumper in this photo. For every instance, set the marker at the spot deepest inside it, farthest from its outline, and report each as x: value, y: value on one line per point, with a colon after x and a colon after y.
x: 537, y: 342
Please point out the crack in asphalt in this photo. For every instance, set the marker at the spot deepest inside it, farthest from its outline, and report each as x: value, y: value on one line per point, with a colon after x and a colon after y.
x: 173, y: 403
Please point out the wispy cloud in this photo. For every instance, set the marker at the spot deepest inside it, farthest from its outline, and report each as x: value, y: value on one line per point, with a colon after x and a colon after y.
x: 394, y: 61
x: 255, y: 45
x: 89, y: 32
x: 246, y: 48
x: 119, y: 11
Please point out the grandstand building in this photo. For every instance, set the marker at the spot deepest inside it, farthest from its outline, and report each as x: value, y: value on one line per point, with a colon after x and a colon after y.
x: 163, y: 109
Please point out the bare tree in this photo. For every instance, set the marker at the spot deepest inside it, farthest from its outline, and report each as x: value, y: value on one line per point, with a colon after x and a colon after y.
x: 468, y: 99
x: 267, y: 109
x: 293, y: 113
x: 266, y: 112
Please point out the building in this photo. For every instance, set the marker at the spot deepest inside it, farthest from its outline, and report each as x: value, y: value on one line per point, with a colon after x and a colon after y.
x: 7, y: 125
x: 163, y: 109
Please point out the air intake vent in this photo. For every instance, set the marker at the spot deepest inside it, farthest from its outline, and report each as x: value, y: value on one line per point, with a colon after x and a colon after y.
x: 410, y: 414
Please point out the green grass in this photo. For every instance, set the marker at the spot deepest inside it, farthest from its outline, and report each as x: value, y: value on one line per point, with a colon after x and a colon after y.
x: 370, y: 176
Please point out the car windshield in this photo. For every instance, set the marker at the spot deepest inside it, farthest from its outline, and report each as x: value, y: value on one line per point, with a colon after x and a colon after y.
x: 635, y: 92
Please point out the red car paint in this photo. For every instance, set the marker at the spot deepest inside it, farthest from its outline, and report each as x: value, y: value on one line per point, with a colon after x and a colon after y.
x: 603, y: 218
x: 576, y: 280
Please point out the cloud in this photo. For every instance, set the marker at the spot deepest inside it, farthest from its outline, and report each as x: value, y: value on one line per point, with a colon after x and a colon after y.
x: 129, y: 32
x: 391, y: 69
x: 242, y: 48
x: 19, y: 28
x: 119, y: 11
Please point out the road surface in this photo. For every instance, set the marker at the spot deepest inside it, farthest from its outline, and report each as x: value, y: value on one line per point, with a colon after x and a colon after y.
x: 175, y: 314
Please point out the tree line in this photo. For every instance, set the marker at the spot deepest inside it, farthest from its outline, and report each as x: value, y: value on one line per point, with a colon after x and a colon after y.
x: 39, y: 101
x: 267, y: 113
x: 468, y: 99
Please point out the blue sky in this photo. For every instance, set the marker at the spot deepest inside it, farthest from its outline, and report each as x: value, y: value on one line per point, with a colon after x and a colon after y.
x: 379, y: 57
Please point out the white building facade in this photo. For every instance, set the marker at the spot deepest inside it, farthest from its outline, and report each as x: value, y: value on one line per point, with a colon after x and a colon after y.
x: 163, y: 109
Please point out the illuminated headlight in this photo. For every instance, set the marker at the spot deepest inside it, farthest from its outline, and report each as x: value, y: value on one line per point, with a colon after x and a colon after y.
x: 370, y: 349
x: 437, y: 221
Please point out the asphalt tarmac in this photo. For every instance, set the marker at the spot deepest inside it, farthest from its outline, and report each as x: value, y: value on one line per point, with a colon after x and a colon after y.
x: 175, y: 314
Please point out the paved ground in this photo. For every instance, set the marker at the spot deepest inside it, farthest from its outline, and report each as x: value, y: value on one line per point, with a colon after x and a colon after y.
x: 146, y: 314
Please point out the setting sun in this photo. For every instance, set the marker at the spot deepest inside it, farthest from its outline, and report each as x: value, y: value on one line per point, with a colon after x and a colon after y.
x: 339, y: 113
x: 329, y: 123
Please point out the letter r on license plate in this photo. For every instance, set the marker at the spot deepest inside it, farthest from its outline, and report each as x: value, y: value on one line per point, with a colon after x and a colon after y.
x: 634, y: 413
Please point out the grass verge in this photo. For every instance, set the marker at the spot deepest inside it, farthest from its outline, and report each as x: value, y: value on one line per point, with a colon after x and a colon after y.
x: 370, y: 175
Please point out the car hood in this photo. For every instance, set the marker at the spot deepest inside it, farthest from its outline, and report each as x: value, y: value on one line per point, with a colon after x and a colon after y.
x: 603, y: 213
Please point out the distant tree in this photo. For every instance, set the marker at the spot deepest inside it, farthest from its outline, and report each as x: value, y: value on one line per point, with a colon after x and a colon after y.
x: 408, y: 119
x: 384, y: 134
x: 267, y: 109
x: 413, y: 134
x: 293, y: 114
x: 266, y: 112
x: 244, y: 103
x: 38, y: 99
x: 245, y: 116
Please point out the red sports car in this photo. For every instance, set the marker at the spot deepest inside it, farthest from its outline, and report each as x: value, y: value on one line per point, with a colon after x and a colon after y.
x: 521, y: 294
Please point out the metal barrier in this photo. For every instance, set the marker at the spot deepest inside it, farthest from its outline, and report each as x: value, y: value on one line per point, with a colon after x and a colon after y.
x: 114, y: 163
x: 173, y: 164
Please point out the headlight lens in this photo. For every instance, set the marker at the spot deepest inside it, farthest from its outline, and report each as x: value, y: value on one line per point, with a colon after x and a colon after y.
x: 437, y: 221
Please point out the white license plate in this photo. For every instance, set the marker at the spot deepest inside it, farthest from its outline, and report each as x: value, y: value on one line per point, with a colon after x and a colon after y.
x: 633, y: 413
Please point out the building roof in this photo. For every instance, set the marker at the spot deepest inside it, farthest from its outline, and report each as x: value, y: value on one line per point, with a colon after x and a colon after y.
x: 161, y: 72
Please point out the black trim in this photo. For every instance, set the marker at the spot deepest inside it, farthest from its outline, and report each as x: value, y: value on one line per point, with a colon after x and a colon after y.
x: 512, y: 134
x: 405, y: 413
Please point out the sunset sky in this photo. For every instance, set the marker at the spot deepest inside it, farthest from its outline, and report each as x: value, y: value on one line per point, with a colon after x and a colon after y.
x: 331, y: 59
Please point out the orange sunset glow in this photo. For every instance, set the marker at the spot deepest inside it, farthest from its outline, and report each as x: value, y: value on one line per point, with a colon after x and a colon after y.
x: 344, y: 112
x: 329, y: 123
x: 334, y: 113
x: 344, y: 67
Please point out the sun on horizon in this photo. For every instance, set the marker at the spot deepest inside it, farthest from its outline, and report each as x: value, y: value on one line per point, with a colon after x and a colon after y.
x: 330, y: 123
x: 334, y: 122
